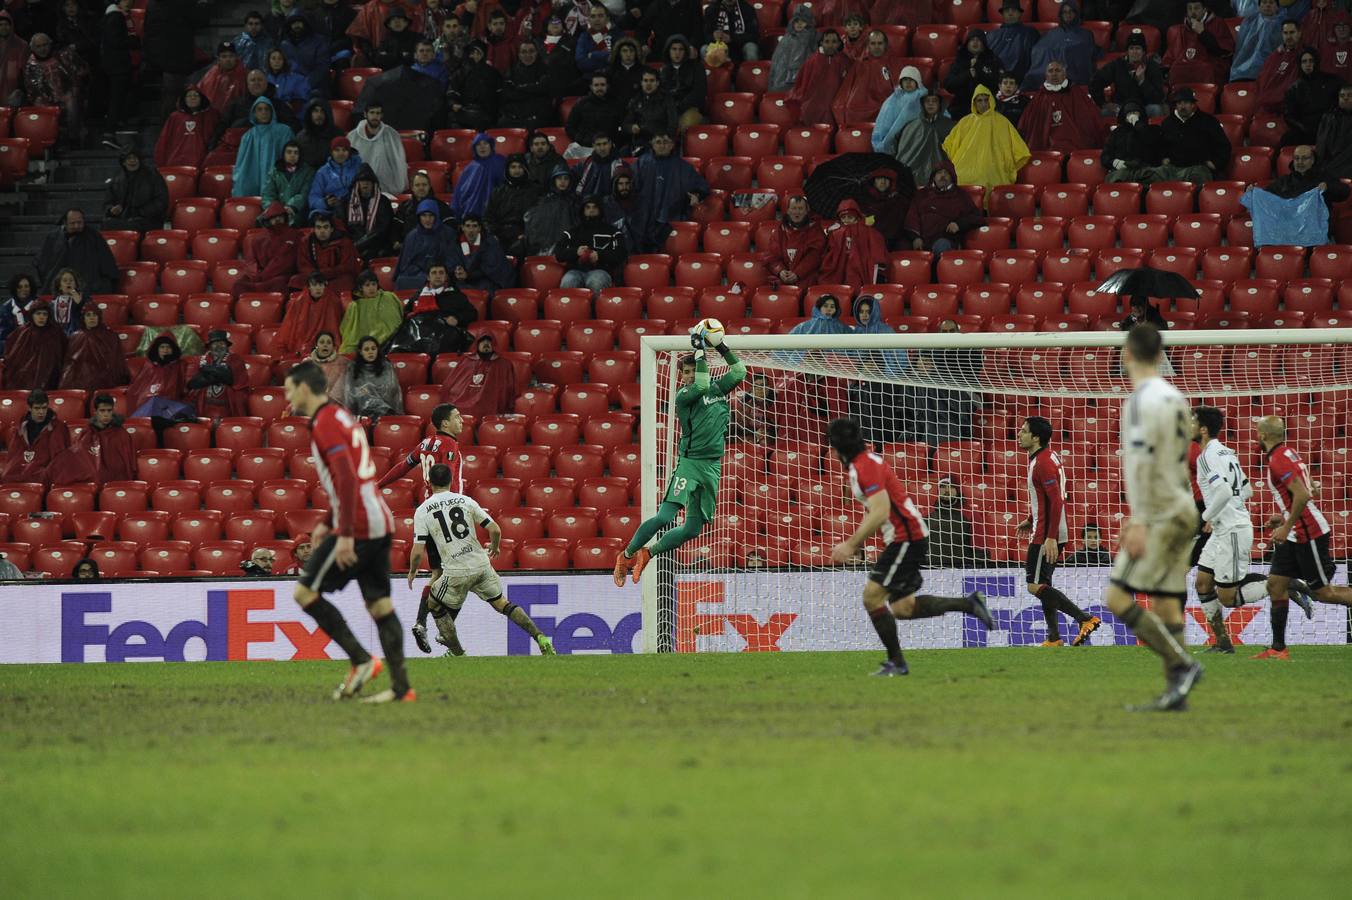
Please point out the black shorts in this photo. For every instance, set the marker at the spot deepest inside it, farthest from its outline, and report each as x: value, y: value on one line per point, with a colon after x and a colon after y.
x: 898, y: 567
x: 433, y: 555
x: 1202, y: 536
x: 1037, y: 569
x: 371, y: 571
x: 1310, y: 561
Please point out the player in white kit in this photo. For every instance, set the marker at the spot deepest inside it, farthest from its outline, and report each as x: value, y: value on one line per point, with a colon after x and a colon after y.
x: 1156, y: 541
x: 446, y: 520
x: 1223, y: 576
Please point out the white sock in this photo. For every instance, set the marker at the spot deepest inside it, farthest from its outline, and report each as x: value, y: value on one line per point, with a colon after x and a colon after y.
x: 1211, y: 608
x: 1252, y: 592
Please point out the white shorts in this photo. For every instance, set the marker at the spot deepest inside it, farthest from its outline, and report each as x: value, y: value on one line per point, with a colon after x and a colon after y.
x: 1226, y: 556
x: 451, y: 589
x: 1162, y: 571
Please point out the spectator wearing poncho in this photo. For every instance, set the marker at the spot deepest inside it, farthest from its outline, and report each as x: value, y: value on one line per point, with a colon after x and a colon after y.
x: 380, y: 147
x: 507, y: 207
x: 867, y: 84
x: 80, y: 247
x: 1200, y: 49
x: 372, y: 312
x: 1335, y: 51
x: 793, y: 50
x: 35, y: 352
x: 101, y: 453
x: 825, y: 318
x: 1280, y: 70
x: 1259, y: 34
x: 36, y: 444
x: 288, y: 183
x: 484, y: 173
x: 920, y: 144
x: 270, y: 260
x: 259, y: 149
x: 187, y: 131
x: 1061, y: 116
x: 552, y: 215
x: 868, y: 319
x: 819, y: 80
x: 527, y: 91
x: 161, y: 378
x: 406, y: 213
x: 975, y: 64
x: 855, y: 251
x: 483, y: 384
x: 432, y: 241
x: 667, y: 186
x: 328, y: 251
x: 984, y: 147
x: 1013, y: 42
x: 1068, y: 43
x: 897, y: 110
x: 371, y: 386
x: 137, y: 199
x: 793, y: 254
x: 315, y: 309
x: 94, y: 357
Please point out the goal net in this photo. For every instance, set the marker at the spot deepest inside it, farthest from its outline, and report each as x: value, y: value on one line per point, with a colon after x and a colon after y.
x: 943, y: 409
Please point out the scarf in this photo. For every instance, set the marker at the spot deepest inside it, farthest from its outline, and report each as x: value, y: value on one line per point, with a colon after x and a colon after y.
x: 1055, y: 88
x: 356, y: 214
x: 730, y: 21
x: 466, y: 248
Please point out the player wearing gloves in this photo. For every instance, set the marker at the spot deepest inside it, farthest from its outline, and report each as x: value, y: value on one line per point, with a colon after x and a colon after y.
x: 703, y: 411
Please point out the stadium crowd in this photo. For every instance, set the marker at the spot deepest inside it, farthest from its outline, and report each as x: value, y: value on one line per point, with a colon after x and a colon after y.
x: 412, y: 177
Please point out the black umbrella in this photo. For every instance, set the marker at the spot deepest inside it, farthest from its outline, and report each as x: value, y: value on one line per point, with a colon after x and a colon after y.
x: 1147, y: 282
x: 849, y: 175
x: 411, y: 100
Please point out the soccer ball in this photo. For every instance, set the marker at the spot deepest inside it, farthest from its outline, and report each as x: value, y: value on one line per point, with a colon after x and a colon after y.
x: 712, y: 329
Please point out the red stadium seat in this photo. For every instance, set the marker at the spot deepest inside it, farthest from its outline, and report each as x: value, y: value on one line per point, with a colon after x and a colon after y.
x: 351, y: 81
x: 252, y: 527
x: 961, y: 267
x: 1331, y: 261
x: 526, y: 462
x: 193, y: 214
x: 159, y: 310
x: 1121, y: 199
x: 542, y: 272
x: 1197, y: 230
x: 302, y: 521
x: 123, y: 497
x: 773, y: 109
x: 1254, y: 296
x: 1013, y: 200
x: 542, y: 554
x: 188, y: 435
x: 219, y: 557
x: 573, y: 524
x: 196, y: 526
x: 138, y: 278
x: 259, y: 309
x: 1281, y: 263
x: 596, y: 553
x: 1226, y: 263
x: 289, y: 434
x: 239, y: 432
x: 556, y: 430
x: 516, y: 305
x: 568, y: 304
x: 1182, y: 260
x: 166, y: 245
x: 177, y: 496
x: 1106, y: 262
x: 1239, y: 98
x: 399, y: 433
x: 1092, y: 232
x: 1221, y: 197
x: 732, y: 108
x: 1085, y: 167
x: 609, y: 430
x: 855, y: 138
x: 522, y: 524
x: 986, y: 300
x: 549, y: 494
x: 1309, y: 295
x: 1251, y: 164
x: 208, y: 310
x: 230, y: 496
x: 807, y: 141
x: 755, y: 140
x: 502, y: 431
x: 580, y: 462
x: 1064, y: 200
x: 283, y: 495
x: 1066, y: 266
x: 1144, y: 231
x: 648, y: 270
x: 154, y: 466
x: 261, y: 464
x: 240, y: 214
x: 180, y: 180
x: 936, y: 301
x: 1043, y: 167
x: 39, y: 125
x: 707, y: 141
x: 616, y: 367
x: 559, y: 366
x: 217, y: 181
x: 780, y: 173
x: 1041, y: 300
x: 36, y: 532
x: 57, y: 559
x: 1046, y: 232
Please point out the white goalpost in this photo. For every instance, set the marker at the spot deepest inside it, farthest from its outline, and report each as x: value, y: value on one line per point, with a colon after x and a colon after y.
x: 943, y: 409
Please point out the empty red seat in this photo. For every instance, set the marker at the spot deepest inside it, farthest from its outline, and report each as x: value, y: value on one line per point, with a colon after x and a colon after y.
x: 1171, y: 198
x: 559, y: 429
x: 142, y: 528
x: 608, y: 430
x: 261, y: 464
x: 1182, y: 260
x: 39, y: 125
x: 188, y: 435
x: 1226, y: 263
x: 259, y: 309
x: 36, y: 532
x: 616, y: 367
x: 502, y: 431
x: 289, y: 434
x: 604, y: 493
x: 231, y: 496
x: 1042, y: 233
x: 567, y: 305
x: 707, y: 141
x: 542, y: 272
x: 219, y: 557
x: 177, y: 496
x: 855, y: 138
x: 154, y: 466
x: 1120, y: 199
x: 1065, y: 200
x: 1066, y: 266
x: 1198, y: 230
x: 1144, y: 231
x: 283, y: 495
x: 1221, y: 197
x: 986, y: 300
x: 1281, y: 263
x: 165, y: 557
x: 116, y: 496
x: 239, y: 432
x: 399, y: 433
x: 1106, y: 262
x: 572, y: 524
x: 526, y: 462
x: 1013, y: 200
x: 543, y: 553
x: 156, y: 309
x: 57, y: 559
x: 1043, y: 167
x: 1092, y: 232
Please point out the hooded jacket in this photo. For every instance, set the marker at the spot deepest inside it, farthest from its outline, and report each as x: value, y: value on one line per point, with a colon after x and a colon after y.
x: 184, y: 138
x: 1334, y: 146
x: 307, y: 52
x: 594, y: 176
x: 794, y: 49
x: 554, y: 214
x: 1136, y: 145
x: 384, y: 153
x: 142, y: 194
x: 35, y: 451
x: 1257, y: 36
x: 291, y: 189
x: 406, y: 213
x: 377, y: 316
x: 854, y: 253
x: 505, y: 216
x: 797, y: 248
x: 1013, y: 48
x: 920, y: 145
x: 98, y: 456
x: 288, y: 86
x: 984, y: 147
x: 481, y: 176
x: 424, y: 246
x: 663, y: 185
x: 969, y: 71
x: 1280, y: 71
x: 1307, y: 100
x: 369, y: 220
x: 86, y: 252
x: 604, y: 238
x: 481, y: 387
x: 626, y: 81
x: 687, y: 84
x: 897, y: 111
x: 305, y: 318
x: 1065, y: 120
x: 314, y: 139
x: 592, y: 116
x: 474, y: 87
x: 158, y: 379
x: 258, y: 151
x: 1071, y: 44
x: 869, y: 82
x: 333, y: 180
x: 665, y: 19
x: 94, y: 359
x: 821, y: 321
x: 541, y: 170
x: 33, y: 354
x: 1121, y: 75
x: 815, y: 88
x: 527, y: 96
x: 1199, y: 58
x: 337, y: 260
x: 933, y: 210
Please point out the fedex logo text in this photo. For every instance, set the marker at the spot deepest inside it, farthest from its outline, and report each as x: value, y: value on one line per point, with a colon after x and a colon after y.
x: 576, y: 633
x: 226, y: 632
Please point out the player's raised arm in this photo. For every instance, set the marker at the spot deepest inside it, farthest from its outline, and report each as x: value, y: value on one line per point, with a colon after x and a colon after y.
x: 398, y: 470
x: 736, y: 372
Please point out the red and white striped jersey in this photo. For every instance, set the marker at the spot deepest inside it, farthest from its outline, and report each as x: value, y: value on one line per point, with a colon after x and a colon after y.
x: 348, y: 474
x: 438, y: 449
x: 1285, y: 464
x: 1047, y: 497
x: 869, y: 474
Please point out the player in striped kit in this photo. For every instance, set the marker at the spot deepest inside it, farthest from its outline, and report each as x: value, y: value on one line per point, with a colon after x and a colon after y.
x: 1223, y: 576
x: 890, y: 592
x: 354, y: 544
x: 1047, y: 531
x: 442, y: 448
x: 1156, y: 540
x: 1300, y: 533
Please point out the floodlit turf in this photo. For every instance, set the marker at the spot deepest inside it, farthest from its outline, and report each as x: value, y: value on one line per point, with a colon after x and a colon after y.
x: 986, y: 773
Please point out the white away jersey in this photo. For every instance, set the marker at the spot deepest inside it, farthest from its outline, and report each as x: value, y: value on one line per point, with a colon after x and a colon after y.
x: 448, y: 519
x: 1225, y: 490
x: 1156, y: 432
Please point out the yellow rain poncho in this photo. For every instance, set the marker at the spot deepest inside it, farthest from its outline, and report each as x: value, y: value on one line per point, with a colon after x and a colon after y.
x: 984, y: 147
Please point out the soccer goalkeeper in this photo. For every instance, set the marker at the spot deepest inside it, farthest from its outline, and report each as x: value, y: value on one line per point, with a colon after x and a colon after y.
x: 702, y: 409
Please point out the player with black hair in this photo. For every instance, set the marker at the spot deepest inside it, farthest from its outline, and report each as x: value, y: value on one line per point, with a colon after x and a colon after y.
x: 355, y: 542
x: 1223, y: 578
x: 444, y: 523
x: 703, y: 412
x: 890, y: 592
x: 441, y: 448
x: 1048, y: 532
x: 1155, y: 541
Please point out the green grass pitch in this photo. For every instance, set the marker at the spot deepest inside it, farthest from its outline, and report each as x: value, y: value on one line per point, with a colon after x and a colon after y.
x: 1009, y: 773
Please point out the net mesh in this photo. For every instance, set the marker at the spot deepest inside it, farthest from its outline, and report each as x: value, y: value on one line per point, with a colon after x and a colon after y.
x: 759, y: 577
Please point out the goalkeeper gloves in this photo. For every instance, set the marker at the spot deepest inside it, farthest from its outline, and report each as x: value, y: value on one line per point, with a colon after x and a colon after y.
x: 697, y: 340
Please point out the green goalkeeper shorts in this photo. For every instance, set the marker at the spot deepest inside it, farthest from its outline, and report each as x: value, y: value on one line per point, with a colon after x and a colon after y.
x: 695, y: 481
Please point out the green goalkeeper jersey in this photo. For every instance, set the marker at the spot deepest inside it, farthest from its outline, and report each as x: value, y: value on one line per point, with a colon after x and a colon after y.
x: 703, y: 411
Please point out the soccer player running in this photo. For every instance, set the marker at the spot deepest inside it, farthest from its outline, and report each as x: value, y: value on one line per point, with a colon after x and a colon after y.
x: 442, y: 448
x: 890, y: 592
x: 703, y: 412
x: 1300, y: 533
x: 354, y: 544
x: 1156, y: 540
x: 444, y: 524
x: 1223, y: 577
x: 1047, y: 531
